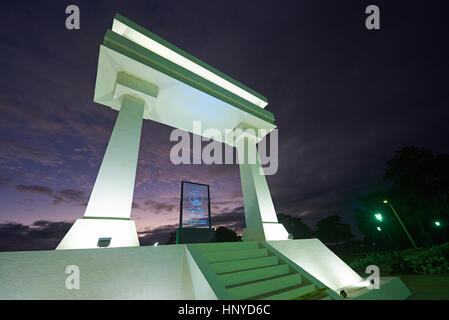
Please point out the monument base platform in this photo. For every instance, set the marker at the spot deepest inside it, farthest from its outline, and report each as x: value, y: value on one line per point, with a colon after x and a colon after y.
x: 195, y: 235
x: 89, y: 233
x: 292, y: 269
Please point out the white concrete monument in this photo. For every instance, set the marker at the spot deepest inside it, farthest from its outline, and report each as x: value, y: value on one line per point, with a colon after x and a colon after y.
x: 144, y: 77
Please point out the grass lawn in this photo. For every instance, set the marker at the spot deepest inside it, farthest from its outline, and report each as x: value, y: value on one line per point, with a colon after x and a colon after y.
x: 424, y: 271
x: 427, y: 287
x: 422, y: 287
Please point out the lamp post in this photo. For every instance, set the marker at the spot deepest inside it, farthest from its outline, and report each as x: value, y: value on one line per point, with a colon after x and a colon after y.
x: 402, y: 225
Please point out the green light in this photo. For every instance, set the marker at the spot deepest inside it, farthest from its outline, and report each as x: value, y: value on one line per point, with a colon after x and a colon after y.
x: 379, y: 229
x: 437, y: 223
x: 378, y: 216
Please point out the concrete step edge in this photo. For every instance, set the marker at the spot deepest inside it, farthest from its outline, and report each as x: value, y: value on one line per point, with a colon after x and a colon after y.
x: 255, y: 274
x: 258, y: 288
x: 243, y: 264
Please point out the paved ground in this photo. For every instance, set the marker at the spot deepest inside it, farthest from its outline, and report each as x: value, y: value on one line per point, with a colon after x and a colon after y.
x: 432, y: 287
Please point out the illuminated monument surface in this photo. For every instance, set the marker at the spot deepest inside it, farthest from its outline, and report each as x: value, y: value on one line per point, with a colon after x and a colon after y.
x: 144, y: 77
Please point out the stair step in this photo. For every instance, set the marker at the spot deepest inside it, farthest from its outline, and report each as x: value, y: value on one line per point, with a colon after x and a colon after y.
x: 222, y: 246
x: 217, y: 256
x: 322, y: 296
x: 240, y: 277
x: 244, y: 264
x: 265, y: 286
x: 291, y: 293
x: 317, y: 294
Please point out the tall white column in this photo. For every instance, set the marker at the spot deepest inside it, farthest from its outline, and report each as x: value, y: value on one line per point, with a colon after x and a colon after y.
x: 260, y: 215
x: 108, y: 211
x: 112, y: 194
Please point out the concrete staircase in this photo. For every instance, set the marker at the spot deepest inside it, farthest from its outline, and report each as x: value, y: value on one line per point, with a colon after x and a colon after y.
x: 250, y: 270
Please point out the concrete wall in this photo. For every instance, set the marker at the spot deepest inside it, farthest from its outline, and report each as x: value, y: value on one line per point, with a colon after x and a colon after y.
x: 148, y: 272
x: 201, y: 288
x: 315, y: 258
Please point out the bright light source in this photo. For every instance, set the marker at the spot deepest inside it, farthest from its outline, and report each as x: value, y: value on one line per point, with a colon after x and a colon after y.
x: 379, y: 229
x: 385, y: 201
x: 361, y: 284
x: 378, y: 216
x: 437, y: 223
x: 165, y: 52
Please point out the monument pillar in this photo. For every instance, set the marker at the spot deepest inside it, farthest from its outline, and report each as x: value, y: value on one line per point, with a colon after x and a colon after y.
x: 112, y: 194
x: 108, y: 212
x: 260, y: 216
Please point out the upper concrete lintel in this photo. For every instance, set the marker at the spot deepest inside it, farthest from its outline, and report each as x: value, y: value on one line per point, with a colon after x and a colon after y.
x: 245, y: 130
x: 137, y: 84
x: 177, y: 104
x: 128, y: 84
x: 138, y: 34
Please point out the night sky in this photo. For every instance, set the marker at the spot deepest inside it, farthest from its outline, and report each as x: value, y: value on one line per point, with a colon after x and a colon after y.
x: 344, y: 98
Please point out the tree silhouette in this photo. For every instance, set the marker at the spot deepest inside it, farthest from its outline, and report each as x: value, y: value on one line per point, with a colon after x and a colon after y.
x: 172, y: 238
x: 295, y: 226
x: 223, y: 234
x: 331, y: 230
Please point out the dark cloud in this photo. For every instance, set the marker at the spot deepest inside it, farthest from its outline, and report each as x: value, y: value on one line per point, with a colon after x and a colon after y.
x: 62, y: 196
x: 159, y: 234
x: 232, y: 219
x: 4, y: 180
x: 74, y: 195
x: 15, y: 151
x: 159, y: 207
x: 135, y: 205
x: 41, y: 235
x: 35, y: 189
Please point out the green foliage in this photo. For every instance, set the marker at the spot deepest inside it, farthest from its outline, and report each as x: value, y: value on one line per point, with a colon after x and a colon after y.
x: 433, y: 260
